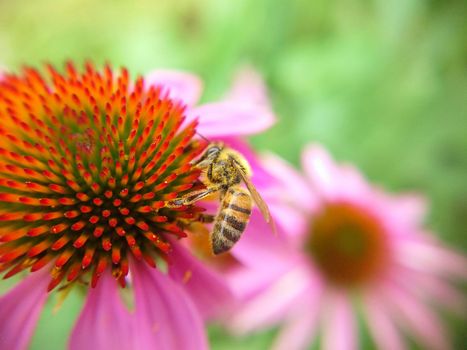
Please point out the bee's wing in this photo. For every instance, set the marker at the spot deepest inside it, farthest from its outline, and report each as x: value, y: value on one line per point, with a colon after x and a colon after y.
x: 263, y: 207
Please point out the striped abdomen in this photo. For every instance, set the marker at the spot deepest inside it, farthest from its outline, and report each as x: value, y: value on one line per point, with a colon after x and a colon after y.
x: 231, y: 220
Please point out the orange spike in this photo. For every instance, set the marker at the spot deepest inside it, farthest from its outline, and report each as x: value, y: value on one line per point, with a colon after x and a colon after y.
x: 116, y: 254
x: 71, y: 214
x: 55, y: 280
x: 124, y: 211
x: 113, y: 222
x: 42, y: 262
x: 32, y: 217
x: 149, y: 196
x: 60, y: 243
x: 66, y: 201
x: 136, y: 198
x: 74, y: 271
x: 52, y: 216
x: 149, y: 260
x: 94, y: 219
x: 165, y: 247
x: 142, y: 225
x: 98, y: 231
x: 81, y: 240
x: 58, y: 189
x: 106, y: 244
x: 16, y: 269
x: 77, y: 226
x: 135, y: 249
x: 100, y: 268
x: 83, y: 197
x: 14, y: 253
x: 144, y: 209
x: 11, y: 236
x: 88, y: 256
x: 120, y: 231
x: 39, y: 230
x: 38, y: 248
x: 58, y: 228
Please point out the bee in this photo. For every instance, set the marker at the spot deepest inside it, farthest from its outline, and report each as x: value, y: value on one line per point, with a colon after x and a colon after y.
x: 223, y: 171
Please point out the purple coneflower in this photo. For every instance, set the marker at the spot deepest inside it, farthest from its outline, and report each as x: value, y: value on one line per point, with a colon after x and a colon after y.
x: 87, y: 161
x: 345, y: 248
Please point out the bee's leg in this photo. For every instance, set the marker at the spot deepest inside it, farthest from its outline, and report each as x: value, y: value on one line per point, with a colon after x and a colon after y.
x: 191, y: 197
x: 202, y: 163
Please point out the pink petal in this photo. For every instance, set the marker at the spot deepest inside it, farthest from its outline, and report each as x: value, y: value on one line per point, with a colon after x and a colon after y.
x: 246, y: 108
x: 382, y: 327
x: 352, y: 185
x: 321, y: 170
x: 431, y: 288
x: 247, y: 281
x: 21, y: 308
x: 259, y: 245
x: 104, y: 322
x: 207, y: 288
x: 290, y: 199
x: 297, y: 334
x: 299, y: 331
x: 290, y: 221
x: 231, y: 119
x: 165, y: 317
x: 273, y: 304
x: 293, y: 186
x: 409, y: 208
x: 339, y: 324
x: 182, y: 86
x: 423, y: 252
x: 249, y: 87
x: 415, y: 317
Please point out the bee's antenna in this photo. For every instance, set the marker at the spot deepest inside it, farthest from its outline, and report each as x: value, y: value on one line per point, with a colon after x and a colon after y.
x: 204, y: 138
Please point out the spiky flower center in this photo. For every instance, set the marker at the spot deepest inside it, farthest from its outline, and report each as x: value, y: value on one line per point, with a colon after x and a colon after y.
x: 348, y: 244
x: 87, y: 162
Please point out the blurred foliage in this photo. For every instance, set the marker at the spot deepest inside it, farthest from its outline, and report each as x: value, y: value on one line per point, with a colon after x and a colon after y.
x: 383, y: 84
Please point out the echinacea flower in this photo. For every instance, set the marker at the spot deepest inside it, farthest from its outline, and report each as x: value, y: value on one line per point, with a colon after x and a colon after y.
x: 87, y: 162
x: 350, y: 250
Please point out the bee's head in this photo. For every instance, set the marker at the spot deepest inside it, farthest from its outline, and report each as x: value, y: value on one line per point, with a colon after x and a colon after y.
x: 213, y: 150
x: 210, y: 154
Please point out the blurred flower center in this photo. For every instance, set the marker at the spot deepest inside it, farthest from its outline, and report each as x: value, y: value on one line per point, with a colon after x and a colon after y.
x: 348, y: 244
x: 87, y: 161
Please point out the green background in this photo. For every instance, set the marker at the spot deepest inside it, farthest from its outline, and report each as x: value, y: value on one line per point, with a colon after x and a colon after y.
x: 382, y: 84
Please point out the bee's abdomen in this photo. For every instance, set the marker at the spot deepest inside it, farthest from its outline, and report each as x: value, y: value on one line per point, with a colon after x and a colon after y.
x: 231, y: 220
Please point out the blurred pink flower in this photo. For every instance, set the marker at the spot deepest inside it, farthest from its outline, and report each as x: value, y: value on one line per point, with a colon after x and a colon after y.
x: 169, y: 307
x: 344, y: 246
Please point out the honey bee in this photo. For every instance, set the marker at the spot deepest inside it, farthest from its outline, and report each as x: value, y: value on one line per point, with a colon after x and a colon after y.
x: 223, y: 171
